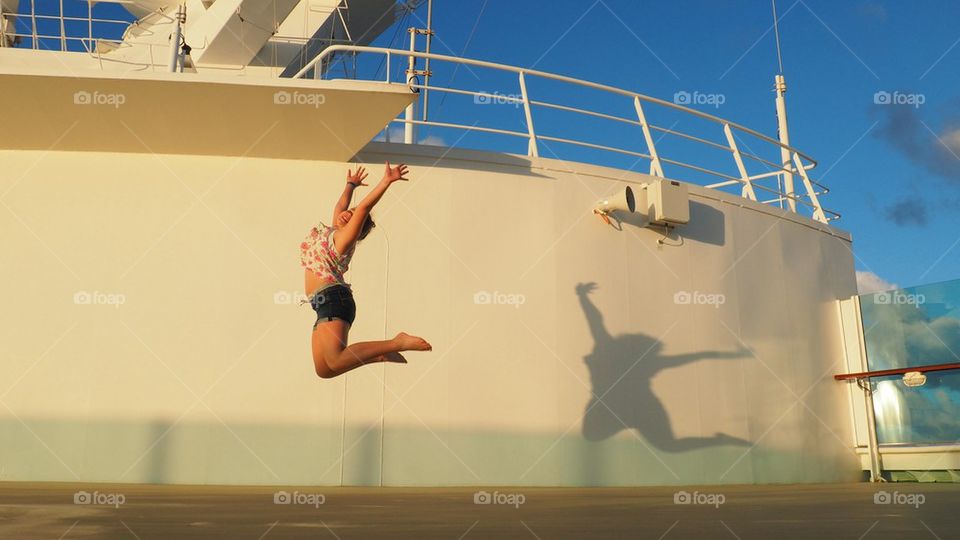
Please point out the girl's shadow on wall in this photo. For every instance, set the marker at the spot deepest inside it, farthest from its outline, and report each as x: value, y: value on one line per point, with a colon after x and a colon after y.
x: 621, y: 368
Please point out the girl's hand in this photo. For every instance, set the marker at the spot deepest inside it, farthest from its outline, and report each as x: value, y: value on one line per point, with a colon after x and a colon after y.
x: 357, y: 178
x: 393, y: 174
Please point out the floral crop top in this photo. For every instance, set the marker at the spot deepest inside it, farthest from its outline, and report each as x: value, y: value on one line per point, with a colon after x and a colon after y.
x: 319, y: 255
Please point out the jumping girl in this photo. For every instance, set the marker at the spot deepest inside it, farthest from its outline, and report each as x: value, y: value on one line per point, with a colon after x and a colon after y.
x: 325, y: 255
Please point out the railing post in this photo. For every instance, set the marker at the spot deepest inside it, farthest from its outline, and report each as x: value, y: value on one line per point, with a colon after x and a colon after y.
x: 63, y: 29
x: 811, y: 192
x: 89, y: 27
x: 532, y: 144
x: 33, y: 24
x: 747, y: 190
x: 409, y: 113
x: 656, y: 169
x: 181, y: 18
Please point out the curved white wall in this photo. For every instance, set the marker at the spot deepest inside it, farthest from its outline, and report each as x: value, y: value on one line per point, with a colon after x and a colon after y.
x: 203, y: 374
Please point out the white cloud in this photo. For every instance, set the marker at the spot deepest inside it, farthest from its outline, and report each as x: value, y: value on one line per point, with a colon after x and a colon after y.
x: 433, y: 140
x: 951, y: 139
x: 396, y: 135
x: 868, y: 282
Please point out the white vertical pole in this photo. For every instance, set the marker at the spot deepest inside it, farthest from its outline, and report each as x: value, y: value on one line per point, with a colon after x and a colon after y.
x: 408, y: 131
x: 784, y: 135
x: 175, y: 38
x: 876, y: 471
x: 426, y: 64
x: 873, y: 445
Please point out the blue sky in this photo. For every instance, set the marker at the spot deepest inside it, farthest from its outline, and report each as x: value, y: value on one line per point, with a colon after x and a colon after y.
x: 891, y: 168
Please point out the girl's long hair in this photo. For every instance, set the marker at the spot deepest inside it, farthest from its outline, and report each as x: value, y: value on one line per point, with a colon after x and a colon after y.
x: 368, y: 225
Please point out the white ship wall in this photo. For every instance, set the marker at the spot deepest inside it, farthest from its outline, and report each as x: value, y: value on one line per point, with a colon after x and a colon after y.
x: 148, y: 333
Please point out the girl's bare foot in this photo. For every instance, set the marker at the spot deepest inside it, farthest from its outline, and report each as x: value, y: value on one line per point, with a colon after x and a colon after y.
x: 412, y: 343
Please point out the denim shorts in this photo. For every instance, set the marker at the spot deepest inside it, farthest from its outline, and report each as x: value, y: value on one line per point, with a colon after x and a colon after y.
x: 334, y: 302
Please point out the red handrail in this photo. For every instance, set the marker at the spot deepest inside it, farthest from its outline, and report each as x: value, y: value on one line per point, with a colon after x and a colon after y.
x: 897, y: 371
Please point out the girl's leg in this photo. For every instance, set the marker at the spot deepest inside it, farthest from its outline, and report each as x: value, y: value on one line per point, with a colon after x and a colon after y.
x: 332, y: 356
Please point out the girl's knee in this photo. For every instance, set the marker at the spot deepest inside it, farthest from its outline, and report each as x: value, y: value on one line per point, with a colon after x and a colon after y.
x: 322, y: 369
x: 325, y: 373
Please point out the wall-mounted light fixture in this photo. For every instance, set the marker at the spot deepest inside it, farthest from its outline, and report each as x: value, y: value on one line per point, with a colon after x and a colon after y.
x: 621, y: 201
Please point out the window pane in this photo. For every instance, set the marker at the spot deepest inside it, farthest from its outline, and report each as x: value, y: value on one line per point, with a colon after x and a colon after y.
x: 910, y: 327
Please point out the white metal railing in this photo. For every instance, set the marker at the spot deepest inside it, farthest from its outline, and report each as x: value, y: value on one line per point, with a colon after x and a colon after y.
x: 43, y: 40
x: 793, y: 162
x: 64, y: 33
x: 799, y: 163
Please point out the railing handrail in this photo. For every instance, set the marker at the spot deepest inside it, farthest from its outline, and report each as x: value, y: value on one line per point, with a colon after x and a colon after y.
x: 546, y: 75
x: 793, y: 160
x: 897, y: 371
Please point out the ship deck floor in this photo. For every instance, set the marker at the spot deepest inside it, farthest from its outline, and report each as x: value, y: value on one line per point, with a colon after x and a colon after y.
x: 47, y: 510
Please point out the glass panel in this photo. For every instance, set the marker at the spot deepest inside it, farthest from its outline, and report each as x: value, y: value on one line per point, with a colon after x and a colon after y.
x: 911, y: 327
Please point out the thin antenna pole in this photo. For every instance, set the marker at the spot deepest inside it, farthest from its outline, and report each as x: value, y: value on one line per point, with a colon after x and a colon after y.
x: 776, y: 32
x: 780, y: 87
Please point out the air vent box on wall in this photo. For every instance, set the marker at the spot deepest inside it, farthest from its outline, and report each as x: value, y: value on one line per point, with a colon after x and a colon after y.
x: 667, y: 202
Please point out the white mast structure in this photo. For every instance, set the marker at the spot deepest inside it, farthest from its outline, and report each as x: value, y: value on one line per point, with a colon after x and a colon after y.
x: 409, y: 129
x: 175, y: 37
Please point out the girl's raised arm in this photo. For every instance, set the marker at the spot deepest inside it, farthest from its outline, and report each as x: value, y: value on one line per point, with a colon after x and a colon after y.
x: 354, y: 180
x: 349, y: 234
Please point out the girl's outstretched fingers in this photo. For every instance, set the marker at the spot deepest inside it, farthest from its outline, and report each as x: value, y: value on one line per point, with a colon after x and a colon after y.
x: 393, y: 174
